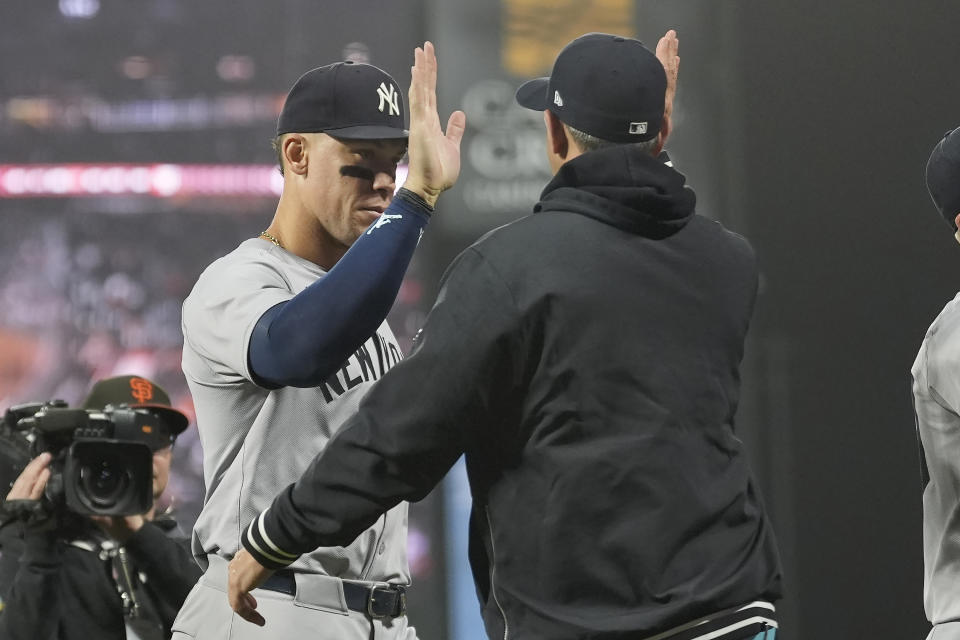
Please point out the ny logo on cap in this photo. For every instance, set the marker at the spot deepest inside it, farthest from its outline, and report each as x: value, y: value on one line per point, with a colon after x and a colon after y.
x: 557, y: 100
x: 389, y: 96
x: 638, y: 128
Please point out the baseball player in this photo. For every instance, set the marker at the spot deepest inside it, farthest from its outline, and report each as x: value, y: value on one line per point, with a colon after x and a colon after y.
x: 936, y: 394
x: 284, y: 336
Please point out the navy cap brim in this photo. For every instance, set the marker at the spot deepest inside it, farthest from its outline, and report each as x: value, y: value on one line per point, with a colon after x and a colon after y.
x: 368, y: 132
x: 533, y: 94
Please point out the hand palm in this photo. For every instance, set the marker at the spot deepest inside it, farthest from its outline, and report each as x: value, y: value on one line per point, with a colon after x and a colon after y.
x: 434, y: 154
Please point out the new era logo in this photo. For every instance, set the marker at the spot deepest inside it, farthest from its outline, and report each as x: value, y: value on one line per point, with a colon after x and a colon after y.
x: 389, y: 98
x: 638, y: 128
x: 557, y: 100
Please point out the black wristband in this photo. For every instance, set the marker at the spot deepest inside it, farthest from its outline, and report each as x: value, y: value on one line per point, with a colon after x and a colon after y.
x: 410, y: 197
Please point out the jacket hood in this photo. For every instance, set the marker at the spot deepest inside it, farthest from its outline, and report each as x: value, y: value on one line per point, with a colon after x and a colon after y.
x: 625, y: 187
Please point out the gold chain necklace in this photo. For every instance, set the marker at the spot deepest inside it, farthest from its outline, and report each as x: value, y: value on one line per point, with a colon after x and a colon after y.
x: 264, y: 234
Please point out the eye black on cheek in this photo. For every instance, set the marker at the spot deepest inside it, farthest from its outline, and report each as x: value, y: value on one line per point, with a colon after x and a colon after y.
x: 353, y: 171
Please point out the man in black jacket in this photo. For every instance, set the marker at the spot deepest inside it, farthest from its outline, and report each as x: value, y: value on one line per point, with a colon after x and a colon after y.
x: 102, y: 578
x: 586, y: 360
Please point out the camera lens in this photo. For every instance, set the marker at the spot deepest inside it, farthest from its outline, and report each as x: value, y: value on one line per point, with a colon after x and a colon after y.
x: 105, y: 481
x: 108, y: 477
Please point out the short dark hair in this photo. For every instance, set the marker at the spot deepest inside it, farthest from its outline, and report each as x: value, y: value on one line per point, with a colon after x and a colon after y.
x: 587, y: 142
x: 277, y: 144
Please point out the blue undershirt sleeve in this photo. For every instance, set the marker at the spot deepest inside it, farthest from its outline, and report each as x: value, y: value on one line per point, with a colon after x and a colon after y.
x: 301, y: 342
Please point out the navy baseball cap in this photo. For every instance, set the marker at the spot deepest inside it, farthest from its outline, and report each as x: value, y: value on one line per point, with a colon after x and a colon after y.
x: 349, y: 100
x: 608, y: 86
x: 943, y: 176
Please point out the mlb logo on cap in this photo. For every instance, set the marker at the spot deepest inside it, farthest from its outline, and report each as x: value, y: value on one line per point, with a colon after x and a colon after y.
x: 638, y: 128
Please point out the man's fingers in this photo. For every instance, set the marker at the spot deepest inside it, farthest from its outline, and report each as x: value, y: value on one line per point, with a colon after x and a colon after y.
x: 242, y: 601
x: 244, y: 574
x: 423, y: 81
x: 430, y: 60
x: 41, y: 483
x: 31, y: 482
x: 667, y: 45
x: 456, y: 125
x: 245, y: 605
x: 247, y: 609
x: 434, y: 152
x: 422, y: 86
x: 34, y: 467
x: 667, y: 49
x: 666, y: 53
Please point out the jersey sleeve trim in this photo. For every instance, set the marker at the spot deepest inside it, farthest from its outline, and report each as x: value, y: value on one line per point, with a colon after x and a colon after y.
x: 259, y: 544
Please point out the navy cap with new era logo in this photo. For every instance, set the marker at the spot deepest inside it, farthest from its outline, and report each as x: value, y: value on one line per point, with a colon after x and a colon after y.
x: 608, y: 86
x: 349, y: 100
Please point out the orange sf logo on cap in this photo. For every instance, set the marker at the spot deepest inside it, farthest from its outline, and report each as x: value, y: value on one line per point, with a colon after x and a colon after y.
x: 142, y: 390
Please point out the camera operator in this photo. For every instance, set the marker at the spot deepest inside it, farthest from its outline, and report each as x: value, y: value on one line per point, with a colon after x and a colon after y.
x: 98, y: 577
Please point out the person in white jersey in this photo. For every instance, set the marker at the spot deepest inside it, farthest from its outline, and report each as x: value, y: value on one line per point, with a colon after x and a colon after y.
x: 285, y: 335
x: 936, y: 394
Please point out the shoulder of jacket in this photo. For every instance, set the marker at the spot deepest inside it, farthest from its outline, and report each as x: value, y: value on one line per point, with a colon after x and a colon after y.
x: 734, y: 239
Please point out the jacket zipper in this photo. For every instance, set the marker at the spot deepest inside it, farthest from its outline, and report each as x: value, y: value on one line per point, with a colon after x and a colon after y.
x: 493, y: 575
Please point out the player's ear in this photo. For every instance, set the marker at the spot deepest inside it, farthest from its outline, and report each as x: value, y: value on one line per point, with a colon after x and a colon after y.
x: 294, y: 148
x: 557, y: 142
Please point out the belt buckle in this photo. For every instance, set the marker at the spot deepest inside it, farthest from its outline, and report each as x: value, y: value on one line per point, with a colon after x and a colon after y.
x: 372, y: 598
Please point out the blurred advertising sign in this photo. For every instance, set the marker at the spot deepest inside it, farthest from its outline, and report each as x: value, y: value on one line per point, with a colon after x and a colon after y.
x: 487, y: 48
x: 534, y: 31
x: 151, y: 180
x: 89, y: 112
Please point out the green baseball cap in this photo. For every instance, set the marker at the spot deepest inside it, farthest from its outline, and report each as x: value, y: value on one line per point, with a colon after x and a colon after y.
x: 137, y: 393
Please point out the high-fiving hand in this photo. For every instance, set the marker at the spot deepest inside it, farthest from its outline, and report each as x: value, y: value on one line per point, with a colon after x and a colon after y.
x: 434, y: 154
x: 667, y: 53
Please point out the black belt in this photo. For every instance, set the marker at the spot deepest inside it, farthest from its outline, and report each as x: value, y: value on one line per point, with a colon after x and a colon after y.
x: 376, y: 601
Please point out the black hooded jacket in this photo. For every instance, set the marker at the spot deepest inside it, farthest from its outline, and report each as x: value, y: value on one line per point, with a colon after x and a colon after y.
x: 585, y: 359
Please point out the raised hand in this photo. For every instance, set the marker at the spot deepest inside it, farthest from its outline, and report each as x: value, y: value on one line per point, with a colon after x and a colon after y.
x: 434, y: 153
x: 667, y: 53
